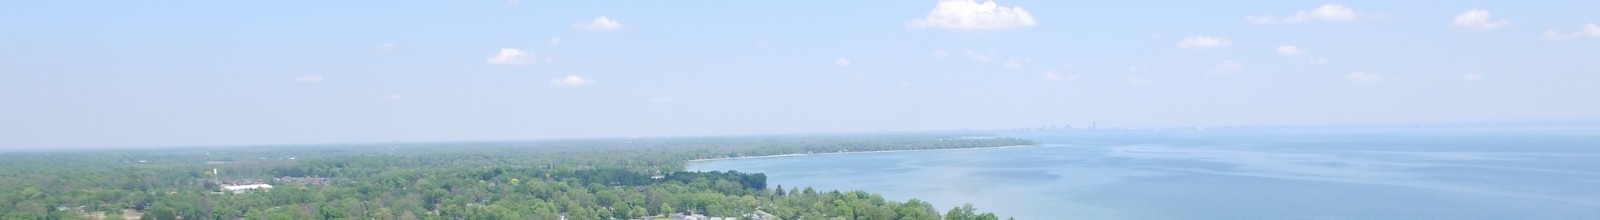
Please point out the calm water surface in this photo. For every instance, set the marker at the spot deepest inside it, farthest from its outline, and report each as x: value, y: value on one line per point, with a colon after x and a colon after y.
x: 1545, y: 172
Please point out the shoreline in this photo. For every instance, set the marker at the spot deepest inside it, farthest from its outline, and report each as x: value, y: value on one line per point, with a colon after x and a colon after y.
x: 855, y: 152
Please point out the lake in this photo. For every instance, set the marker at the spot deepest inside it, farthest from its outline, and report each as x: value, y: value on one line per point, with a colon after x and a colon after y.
x: 1501, y: 172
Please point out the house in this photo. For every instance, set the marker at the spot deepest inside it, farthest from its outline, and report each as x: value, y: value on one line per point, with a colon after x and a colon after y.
x: 246, y: 188
x: 694, y: 217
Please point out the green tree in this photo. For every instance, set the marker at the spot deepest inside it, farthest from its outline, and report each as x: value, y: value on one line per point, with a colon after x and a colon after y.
x: 842, y: 208
x: 965, y: 212
x: 161, y: 213
x: 637, y: 212
x: 916, y: 210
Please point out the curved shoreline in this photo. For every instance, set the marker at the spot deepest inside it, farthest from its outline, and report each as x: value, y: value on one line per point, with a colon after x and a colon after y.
x: 857, y: 152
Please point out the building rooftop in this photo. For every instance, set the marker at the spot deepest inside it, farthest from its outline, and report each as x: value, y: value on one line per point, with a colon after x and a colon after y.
x: 245, y: 187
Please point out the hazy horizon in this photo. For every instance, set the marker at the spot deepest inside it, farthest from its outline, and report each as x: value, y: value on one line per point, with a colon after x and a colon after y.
x: 116, y: 74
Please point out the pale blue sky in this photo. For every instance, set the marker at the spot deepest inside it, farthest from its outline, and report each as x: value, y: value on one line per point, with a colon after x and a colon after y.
x: 158, y: 73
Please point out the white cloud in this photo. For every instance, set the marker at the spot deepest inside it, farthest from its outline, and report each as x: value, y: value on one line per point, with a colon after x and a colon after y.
x: 661, y: 100
x: 1136, y: 81
x: 1589, y: 30
x: 1290, y: 50
x: 601, y: 23
x: 513, y: 2
x: 571, y: 81
x: 1203, y: 42
x: 1017, y: 64
x: 555, y: 41
x: 1479, y: 19
x: 980, y: 57
x: 939, y: 53
x: 1471, y: 77
x: 392, y: 97
x: 1055, y: 76
x: 308, y: 79
x: 1361, y: 77
x: 1324, y: 13
x: 842, y: 62
x: 1226, y: 67
x: 972, y: 15
x: 511, y: 56
x: 388, y: 47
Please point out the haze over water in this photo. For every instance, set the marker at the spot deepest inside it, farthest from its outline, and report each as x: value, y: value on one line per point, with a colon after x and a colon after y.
x: 1510, y: 172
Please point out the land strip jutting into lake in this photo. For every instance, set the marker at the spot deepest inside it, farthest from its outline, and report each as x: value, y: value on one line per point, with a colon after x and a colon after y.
x: 549, y: 179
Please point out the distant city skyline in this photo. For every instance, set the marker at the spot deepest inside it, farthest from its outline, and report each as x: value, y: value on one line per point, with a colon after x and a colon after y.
x: 113, y: 74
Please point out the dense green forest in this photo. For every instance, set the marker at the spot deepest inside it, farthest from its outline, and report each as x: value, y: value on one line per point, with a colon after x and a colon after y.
x: 578, y: 179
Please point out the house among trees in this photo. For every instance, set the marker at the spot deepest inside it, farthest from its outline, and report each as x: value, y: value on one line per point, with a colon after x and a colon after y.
x: 246, y: 188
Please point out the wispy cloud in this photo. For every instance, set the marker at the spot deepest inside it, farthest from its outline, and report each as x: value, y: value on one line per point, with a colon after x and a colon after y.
x: 392, y: 97
x: 973, y: 15
x: 1018, y: 63
x: 1203, y: 42
x: 511, y: 56
x: 1057, y: 76
x: 1361, y: 77
x: 1289, y: 50
x: 980, y: 57
x: 601, y: 23
x: 1471, y: 77
x: 1478, y: 19
x: 388, y: 47
x: 571, y: 81
x: 308, y: 79
x: 1226, y: 67
x: 555, y: 41
x: 1318, y: 61
x: 1136, y: 81
x: 1324, y: 13
x: 1588, y: 31
x: 842, y: 62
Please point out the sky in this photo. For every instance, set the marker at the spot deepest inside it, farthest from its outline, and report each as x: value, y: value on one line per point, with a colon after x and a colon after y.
x: 179, y: 73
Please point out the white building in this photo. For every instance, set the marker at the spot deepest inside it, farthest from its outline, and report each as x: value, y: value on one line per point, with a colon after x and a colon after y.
x: 246, y: 188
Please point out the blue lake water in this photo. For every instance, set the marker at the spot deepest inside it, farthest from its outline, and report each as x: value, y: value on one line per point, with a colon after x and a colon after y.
x: 1527, y: 172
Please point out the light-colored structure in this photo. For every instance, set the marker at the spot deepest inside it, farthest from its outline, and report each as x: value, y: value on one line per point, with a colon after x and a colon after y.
x: 246, y: 188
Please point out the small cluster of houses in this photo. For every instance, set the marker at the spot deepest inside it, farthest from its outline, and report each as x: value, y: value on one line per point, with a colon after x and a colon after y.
x: 758, y: 215
x: 238, y: 189
x: 236, y: 182
x: 697, y: 217
x: 246, y: 186
x: 306, y: 180
x: 251, y: 185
